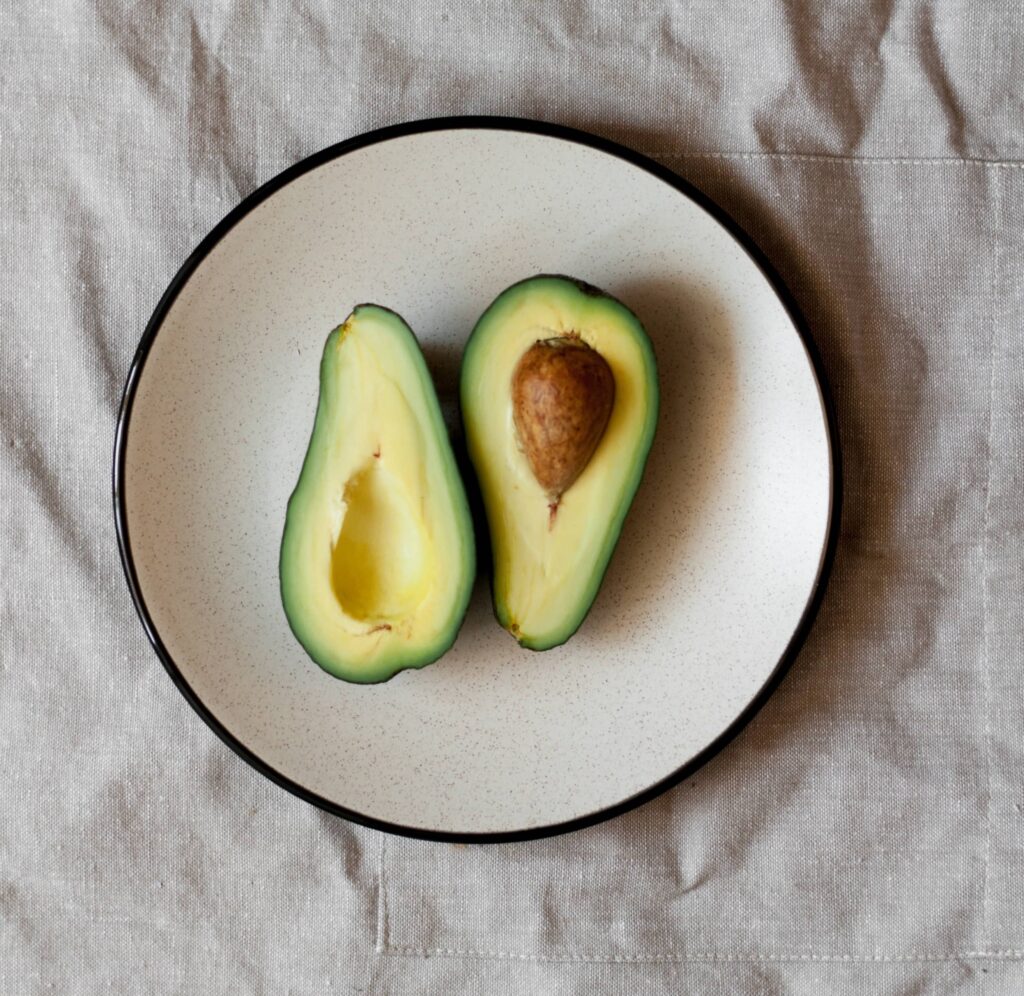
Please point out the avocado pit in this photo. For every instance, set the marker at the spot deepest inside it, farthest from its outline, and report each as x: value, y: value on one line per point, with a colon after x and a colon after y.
x: 563, y: 392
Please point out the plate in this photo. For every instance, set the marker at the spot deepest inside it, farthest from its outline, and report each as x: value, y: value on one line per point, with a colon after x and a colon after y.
x: 719, y: 569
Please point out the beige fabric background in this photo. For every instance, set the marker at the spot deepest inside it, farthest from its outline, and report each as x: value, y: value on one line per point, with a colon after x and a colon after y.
x: 865, y: 834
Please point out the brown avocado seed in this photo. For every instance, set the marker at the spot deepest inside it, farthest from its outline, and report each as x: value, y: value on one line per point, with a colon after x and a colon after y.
x: 563, y: 392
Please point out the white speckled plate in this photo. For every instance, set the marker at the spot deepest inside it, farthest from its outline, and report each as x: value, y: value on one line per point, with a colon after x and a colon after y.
x: 722, y: 560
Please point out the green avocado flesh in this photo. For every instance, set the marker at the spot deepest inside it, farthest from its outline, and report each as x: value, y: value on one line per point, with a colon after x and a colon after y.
x: 377, y: 559
x: 548, y: 568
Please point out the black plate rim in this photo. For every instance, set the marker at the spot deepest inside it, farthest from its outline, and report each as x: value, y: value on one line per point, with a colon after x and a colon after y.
x: 495, y: 123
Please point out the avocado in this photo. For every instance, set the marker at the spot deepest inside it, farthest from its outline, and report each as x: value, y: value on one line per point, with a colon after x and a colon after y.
x: 559, y: 392
x: 377, y: 558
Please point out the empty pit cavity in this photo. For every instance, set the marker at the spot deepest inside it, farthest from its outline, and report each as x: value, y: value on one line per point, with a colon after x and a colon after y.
x: 380, y: 562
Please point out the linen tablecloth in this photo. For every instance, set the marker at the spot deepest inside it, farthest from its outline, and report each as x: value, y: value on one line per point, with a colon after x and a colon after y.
x: 864, y: 834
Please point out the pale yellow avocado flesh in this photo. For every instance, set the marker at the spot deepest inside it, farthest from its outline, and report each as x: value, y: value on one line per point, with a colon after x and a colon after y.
x: 377, y: 559
x: 547, y: 570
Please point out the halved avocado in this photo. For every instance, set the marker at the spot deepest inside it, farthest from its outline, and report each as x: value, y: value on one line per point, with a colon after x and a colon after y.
x: 551, y: 551
x: 377, y: 559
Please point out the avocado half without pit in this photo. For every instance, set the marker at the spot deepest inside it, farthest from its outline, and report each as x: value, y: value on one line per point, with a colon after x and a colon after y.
x: 559, y: 393
x: 377, y: 558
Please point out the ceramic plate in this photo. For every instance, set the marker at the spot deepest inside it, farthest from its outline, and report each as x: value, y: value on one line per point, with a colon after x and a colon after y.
x: 719, y: 568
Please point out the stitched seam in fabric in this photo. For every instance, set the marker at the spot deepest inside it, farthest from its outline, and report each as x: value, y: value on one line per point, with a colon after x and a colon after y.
x: 822, y: 157
x: 381, y: 944
x: 986, y: 677
x: 712, y: 956
x: 980, y: 954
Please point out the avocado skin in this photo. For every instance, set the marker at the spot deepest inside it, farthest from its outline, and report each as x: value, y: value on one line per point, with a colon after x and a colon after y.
x: 568, y: 285
x: 388, y: 667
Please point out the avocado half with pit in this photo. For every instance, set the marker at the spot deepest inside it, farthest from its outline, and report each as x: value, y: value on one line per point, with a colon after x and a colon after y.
x: 377, y: 559
x: 559, y: 392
